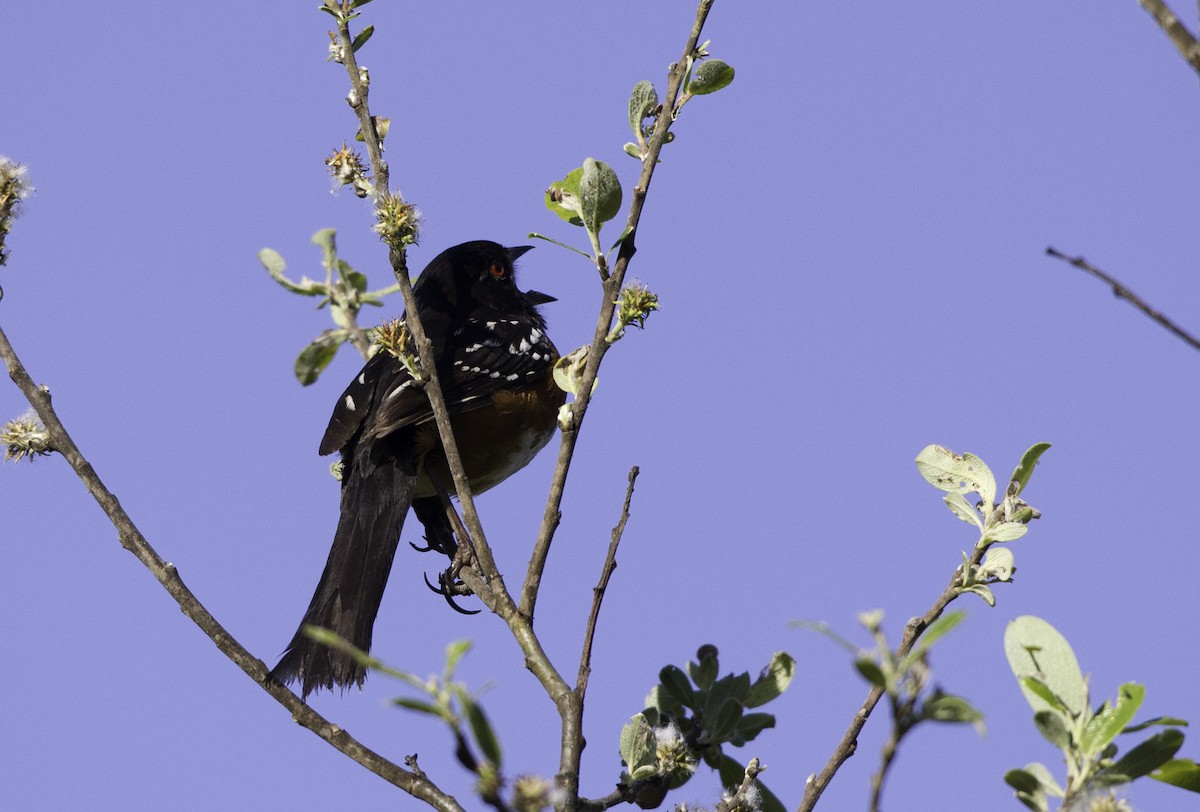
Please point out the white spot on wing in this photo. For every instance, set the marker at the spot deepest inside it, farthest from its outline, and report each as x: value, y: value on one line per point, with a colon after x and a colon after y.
x: 395, y: 392
x: 350, y: 403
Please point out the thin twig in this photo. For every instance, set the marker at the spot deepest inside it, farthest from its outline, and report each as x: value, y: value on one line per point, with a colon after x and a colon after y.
x: 1183, y: 39
x: 610, y: 564
x: 599, y: 346
x: 490, y: 589
x: 1122, y: 292
x: 816, y: 784
x: 888, y: 755
x: 166, y: 574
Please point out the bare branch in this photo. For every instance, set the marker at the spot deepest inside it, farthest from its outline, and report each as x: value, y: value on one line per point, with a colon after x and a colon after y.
x: 610, y: 564
x: 1122, y: 292
x: 165, y: 573
x: 1183, y: 40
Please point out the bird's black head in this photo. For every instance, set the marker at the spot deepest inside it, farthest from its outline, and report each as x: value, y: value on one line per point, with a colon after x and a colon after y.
x: 472, y: 277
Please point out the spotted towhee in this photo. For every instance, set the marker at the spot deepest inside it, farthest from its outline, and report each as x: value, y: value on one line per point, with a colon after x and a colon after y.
x: 495, y: 365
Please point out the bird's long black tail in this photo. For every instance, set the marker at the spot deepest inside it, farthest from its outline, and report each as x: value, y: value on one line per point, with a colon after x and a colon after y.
x: 375, y: 500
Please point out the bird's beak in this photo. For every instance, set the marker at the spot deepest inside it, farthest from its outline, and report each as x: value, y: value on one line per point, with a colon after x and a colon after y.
x: 516, y: 251
x: 536, y: 297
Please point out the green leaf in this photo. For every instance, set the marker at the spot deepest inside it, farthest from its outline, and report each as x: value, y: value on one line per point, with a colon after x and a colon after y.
x: 353, y: 278
x: 562, y: 198
x: 952, y: 709
x: 1051, y: 725
x: 1029, y: 790
x: 676, y: 683
x: 961, y: 508
x: 1046, y: 694
x: 773, y: 680
x: 314, y: 358
x: 273, y: 262
x: 659, y: 700
x: 703, y: 674
x: 726, y: 720
x: 935, y: 632
x: 982, y: 591
x: 1034, y: 648
x: 643, y: 772
x: 482, y: 731
x: 710, y: 76
x: 1023, y: 781
x: 326, y: 238
x: 1005, y: 531
x: 752, y: 724
x: 642, y: 103
x: 632, y: 150
x: 420, y: 706
x: 600, y: 194
x: 997, y: 564
x: 1104, y: 726
x: 637, y: 744
x: 361, y: 38
x: 1043, y: 774
x: 966, y: 473
x: 1179, y: 772
x: 1150, y: 755
x: 769, y: 802
x: 454, y: 654
x: 1157, y: 720
x: 1025, y: 467
x: 731, y: 771
x: 871, y: 672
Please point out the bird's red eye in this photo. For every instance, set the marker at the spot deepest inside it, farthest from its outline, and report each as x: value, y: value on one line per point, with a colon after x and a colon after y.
x: 497, y: 270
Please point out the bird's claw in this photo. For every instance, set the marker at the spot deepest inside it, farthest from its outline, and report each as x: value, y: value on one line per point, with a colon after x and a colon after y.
x: 449, y: 587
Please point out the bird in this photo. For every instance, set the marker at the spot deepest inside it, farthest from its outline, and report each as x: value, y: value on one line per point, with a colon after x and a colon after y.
x: 495, y: 364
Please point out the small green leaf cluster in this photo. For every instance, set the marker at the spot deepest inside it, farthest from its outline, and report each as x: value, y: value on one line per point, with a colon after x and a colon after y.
x: 343, y: 11
x: 589, y: 197
x: 344, y: 290
x: 960, y: 474
x: 1052, y: 682
x: 690, y: 716
x: 906, y: 680
x: 700, y: 79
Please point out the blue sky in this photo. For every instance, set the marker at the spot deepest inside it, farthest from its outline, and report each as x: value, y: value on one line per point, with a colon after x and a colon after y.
x: 848, y: 243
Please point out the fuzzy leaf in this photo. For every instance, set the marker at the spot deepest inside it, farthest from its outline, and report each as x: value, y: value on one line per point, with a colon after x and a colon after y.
x: 642, y: 103
x: 676, y: 683
x: 1029, y: 460
x: 600, y: 193
x: 1150, y: 755
x: 961, y: 508
x: 637, y: 745
x: 482, y: 731
x: 1179, y: 772
x: 1104, y: 726
x: 965, y: 473
x: 314, y: 358
x: 1034, y: 648
x: 710, y: 76
x: 773, y: 680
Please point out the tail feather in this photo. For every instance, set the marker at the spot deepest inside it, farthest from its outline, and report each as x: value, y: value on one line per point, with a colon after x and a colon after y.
x: 375, y: 500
